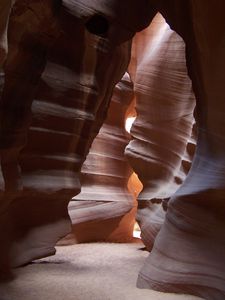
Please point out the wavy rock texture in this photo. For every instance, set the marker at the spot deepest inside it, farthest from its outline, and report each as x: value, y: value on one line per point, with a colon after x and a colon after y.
x: 59, y: 77
x: 104, y: 210
x: 47, y: 63
x: 164, y: 104
x: 188, y: 254
x: 5, y: 9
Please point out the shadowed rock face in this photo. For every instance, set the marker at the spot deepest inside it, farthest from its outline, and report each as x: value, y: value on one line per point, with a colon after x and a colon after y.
x: 59, y: 77
x: 164, y: 104
x: 5, y: 9
x: 188, y: 254
x: 104, y: 210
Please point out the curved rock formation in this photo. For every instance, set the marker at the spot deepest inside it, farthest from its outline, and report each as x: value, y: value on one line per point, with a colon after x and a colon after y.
x: 188, y: 254
x: 55, y: 98
x: 63, y: 67
x: 164, y: 104
x: 104, y: 210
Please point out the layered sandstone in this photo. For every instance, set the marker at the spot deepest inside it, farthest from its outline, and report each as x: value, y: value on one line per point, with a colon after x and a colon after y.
x: 160, y: 133
x: 188, y: 254
x: 105, y: 208
x: 59, y: 77
x: 54, y: 100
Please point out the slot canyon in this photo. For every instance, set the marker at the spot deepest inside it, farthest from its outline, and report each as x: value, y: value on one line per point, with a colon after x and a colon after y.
x: 112, y: 118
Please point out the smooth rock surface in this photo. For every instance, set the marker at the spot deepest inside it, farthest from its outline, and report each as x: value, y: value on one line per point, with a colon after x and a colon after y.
x: 54, y: 101
x: 188, y: 254
x: 105, y: 208
x: 160, y: 133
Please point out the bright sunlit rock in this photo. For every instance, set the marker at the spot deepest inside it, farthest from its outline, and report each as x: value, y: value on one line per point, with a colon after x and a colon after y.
x: 137, y: 231
x: 129, y: 122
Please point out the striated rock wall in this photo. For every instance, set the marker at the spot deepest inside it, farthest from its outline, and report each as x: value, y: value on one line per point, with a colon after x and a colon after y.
x: 54, y: 100
x: 64, y: 59
x: 160, y: 133
x: 104, y: 210
x: 188, y: 254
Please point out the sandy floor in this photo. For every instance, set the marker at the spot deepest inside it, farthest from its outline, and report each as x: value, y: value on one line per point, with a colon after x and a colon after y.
x: 85, y: 272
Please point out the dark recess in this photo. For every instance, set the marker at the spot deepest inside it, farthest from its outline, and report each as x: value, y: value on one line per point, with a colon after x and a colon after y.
x: 98, y: 25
